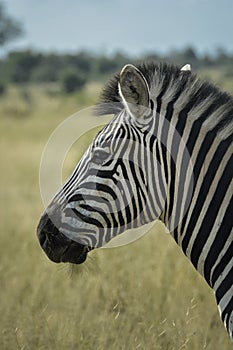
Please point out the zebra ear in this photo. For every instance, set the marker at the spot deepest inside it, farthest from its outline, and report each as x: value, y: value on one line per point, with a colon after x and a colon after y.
x: 186, y: 67
x: 134, y: 91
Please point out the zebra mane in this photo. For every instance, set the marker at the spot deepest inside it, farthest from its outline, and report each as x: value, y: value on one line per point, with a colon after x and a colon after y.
x: 168, y: 81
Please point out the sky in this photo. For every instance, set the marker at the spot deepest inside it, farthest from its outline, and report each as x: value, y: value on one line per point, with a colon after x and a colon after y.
x: 132, y: 26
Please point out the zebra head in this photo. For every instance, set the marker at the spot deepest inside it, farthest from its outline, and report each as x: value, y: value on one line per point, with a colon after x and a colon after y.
x: 113, y: 187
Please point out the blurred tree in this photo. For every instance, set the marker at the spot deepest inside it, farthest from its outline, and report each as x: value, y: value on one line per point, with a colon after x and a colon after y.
x: 2, y: 88
x: 152, y: 56
x: 207, y: 60
x: 82, y: 61
x: 190, y: 54
x: 106, y: 65
x: 73, y: 70
x: 49, y: 68
x: 10, y: 29
x: 181, y: 57
x: 20, y: 65
x: 222, y: 57
x: 72, y: 80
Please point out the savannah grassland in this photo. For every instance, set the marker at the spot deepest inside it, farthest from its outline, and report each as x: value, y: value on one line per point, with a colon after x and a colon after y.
x: 142, y: 296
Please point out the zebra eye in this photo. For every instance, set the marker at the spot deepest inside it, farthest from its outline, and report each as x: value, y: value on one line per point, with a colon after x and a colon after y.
x: 99, y: 156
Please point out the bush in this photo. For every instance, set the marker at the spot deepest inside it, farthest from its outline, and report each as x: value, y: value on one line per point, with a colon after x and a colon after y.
x: 106, y: 65
x: 21, y: 64
x: 2, y: 88
x: 72, y: 81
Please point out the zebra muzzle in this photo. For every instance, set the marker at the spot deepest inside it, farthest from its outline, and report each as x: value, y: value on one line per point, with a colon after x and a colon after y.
x: 56, y: 245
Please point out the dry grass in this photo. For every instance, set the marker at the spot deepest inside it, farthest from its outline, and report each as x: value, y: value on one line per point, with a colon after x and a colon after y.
x: 142, y: 296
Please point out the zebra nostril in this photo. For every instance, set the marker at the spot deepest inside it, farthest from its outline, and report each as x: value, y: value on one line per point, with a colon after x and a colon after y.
x: 46, y: 227
x: 50, y: 227
x: 41, y: 237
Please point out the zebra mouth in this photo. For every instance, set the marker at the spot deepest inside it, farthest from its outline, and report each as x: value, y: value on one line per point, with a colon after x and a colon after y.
x: 74, y: 253
x: 57, y: 246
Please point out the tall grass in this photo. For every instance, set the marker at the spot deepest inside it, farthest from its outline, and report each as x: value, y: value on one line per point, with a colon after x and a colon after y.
x: 142, y: 296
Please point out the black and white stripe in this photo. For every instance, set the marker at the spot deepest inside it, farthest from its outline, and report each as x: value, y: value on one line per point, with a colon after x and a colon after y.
x: 171, y: 159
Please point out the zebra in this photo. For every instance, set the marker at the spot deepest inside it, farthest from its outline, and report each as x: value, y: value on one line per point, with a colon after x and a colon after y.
x: 165, y: 155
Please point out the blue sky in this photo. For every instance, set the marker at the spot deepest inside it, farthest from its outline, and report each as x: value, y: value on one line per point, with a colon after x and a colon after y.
x: 133, y: 26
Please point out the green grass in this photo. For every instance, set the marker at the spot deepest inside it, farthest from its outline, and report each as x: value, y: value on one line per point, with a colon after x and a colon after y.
x: 142, y: 296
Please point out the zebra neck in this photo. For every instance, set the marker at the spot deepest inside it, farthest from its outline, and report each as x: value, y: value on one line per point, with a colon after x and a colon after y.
x: 198, y: 165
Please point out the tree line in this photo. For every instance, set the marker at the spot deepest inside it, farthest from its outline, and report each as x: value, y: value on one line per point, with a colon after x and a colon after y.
x: 75, y: 70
